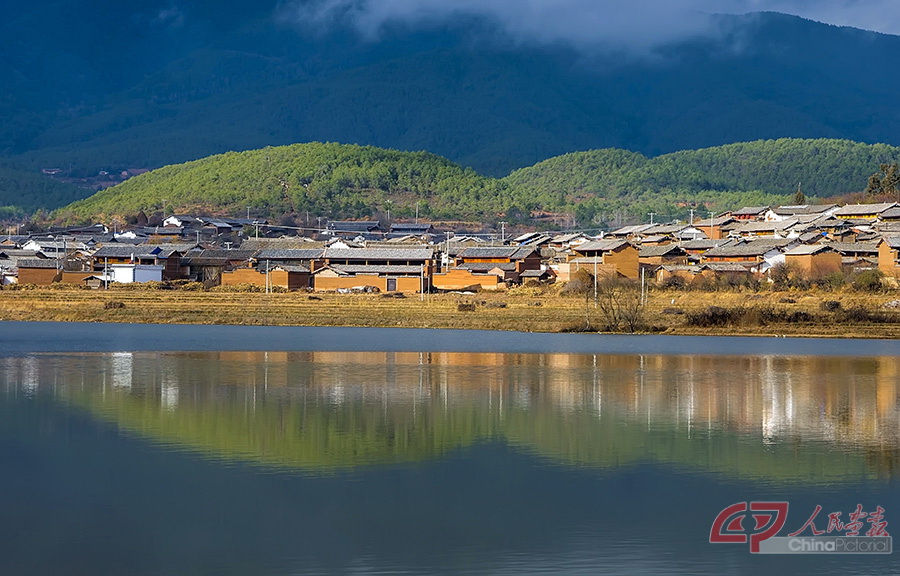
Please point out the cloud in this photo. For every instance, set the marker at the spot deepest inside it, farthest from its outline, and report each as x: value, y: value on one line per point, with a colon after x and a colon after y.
x: 171, y: 17
x: 630, y: 25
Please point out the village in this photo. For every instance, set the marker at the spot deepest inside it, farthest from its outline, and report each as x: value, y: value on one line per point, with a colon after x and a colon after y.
x: 412, y: 257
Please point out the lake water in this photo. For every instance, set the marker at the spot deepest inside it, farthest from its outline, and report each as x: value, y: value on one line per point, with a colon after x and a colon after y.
x: 235, y: 450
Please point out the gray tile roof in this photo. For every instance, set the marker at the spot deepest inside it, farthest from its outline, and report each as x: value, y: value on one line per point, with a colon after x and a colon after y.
x: 38, y: 263
x: 400, y: 254
x: 808, y: 249
x: 750, y: 211
x: 657, y: 251
x: 601, y: 246
x: 851, y: 210
x: 725, y: 267
x: 128, y: 250
x: 855, y: 247
x: 263, y: 267
x: 743, y: 249
x: 351, y: 269
x: 489, y: 252
x: 487, y: 266
x: 288, y: 254
x: 803, y: 209
x: 705, y: 243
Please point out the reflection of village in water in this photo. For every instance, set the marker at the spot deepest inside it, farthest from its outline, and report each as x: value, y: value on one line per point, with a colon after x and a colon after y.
x: 801, y: 418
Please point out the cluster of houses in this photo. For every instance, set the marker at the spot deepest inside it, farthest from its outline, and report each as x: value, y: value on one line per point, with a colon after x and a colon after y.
x: 413, y: 257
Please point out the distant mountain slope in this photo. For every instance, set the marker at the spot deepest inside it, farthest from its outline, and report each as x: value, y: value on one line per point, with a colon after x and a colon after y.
x: 23, y: 191
x: 594, y: 187
x: 99, y: 86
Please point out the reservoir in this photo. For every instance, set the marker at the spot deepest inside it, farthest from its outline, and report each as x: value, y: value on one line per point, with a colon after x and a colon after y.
x: 157, y: 450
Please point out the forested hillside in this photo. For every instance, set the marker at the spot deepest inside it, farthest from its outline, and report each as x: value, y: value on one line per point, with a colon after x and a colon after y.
x: 601, y: 182
x: 22, y: 191
x: 593, y: 188
x: 94, y: 85
x: 332, y: 180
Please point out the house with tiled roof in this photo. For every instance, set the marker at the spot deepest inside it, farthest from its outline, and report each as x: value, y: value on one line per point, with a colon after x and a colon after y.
x: 667, y: 254
x: 889, y: 257
x: 489, y: 267
x: 756, y: 255
x: 750, y: 213
x: 814, y: 260
x: 716, y: 227
x: 607, y: 256
x: 866, y: 212
x: 396, y: 269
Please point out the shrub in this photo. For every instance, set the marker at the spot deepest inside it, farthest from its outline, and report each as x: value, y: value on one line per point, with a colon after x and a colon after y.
x: 673, y: 283
x: 113, y: 305
x: 830, y: 306
x: 581, y: 283
x: 868, y: 281
x: 833, y: 281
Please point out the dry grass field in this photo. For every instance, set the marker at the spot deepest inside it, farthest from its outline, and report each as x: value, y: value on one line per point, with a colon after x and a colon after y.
x: 796, y: 313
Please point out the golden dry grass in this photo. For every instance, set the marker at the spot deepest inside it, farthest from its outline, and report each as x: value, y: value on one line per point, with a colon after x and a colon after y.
x: 525, y: 310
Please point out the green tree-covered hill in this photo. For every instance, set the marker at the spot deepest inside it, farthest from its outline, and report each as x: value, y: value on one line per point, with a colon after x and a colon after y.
x: 595, y: 187
x: 710, y: 179
x: 334, y: 180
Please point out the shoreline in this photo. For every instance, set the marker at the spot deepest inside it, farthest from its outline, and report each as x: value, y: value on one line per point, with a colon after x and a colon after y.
x: 43, y: 338
x: 520, y: 311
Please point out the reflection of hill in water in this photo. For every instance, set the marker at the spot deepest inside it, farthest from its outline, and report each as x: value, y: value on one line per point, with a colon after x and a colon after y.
x: 790, y: 418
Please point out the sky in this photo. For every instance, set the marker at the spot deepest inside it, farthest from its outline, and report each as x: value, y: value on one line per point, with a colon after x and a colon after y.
x: 637, y: 25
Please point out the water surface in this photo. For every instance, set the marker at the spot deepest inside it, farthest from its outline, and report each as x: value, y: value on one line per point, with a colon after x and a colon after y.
x: 234, y: 460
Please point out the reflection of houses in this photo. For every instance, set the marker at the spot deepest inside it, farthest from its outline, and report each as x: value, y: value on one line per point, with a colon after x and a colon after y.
x: 387, y: 269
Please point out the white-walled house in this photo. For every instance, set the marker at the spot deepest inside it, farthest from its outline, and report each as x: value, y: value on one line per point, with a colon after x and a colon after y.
x: 130, y: 273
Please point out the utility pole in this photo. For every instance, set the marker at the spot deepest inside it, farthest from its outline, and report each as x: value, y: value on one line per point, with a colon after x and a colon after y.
x: 447, y: 253
x: 248, y: 212
x: 417, y: 212
x: 691, y: 221
x: 503, y: 233
x: 652, y: 214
